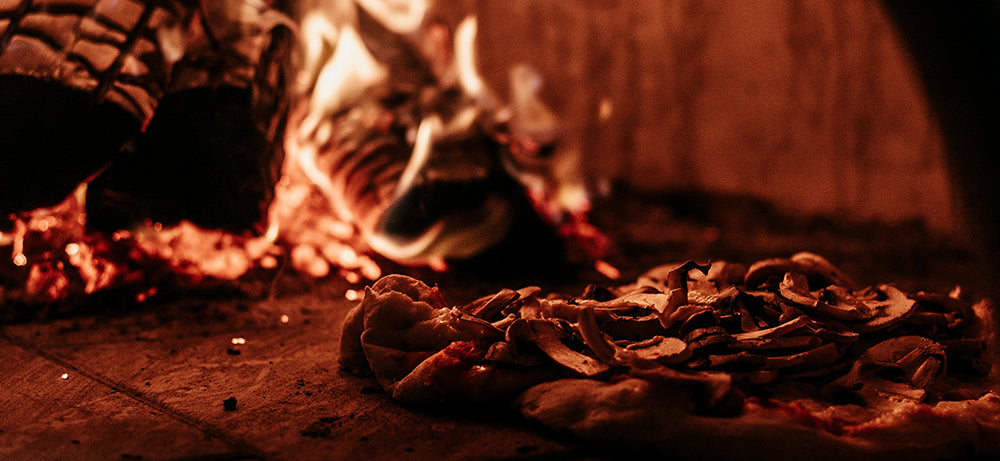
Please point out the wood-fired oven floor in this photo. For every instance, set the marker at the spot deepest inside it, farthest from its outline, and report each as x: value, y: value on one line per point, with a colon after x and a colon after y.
x: 152, y: 382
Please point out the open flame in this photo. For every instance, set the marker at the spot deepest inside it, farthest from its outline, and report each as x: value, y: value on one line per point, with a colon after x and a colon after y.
x: 330, y: 206
x: 340, y: 83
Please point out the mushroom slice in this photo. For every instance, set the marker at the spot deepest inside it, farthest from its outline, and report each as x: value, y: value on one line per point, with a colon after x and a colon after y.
x: 629, y: 327
x: 660, y: 349
x: 677, y: 289
x: 764, y: 270
x: 726, y: 274
x: 682, y: 314
x: 819, y: 271
x: 896, y: 307
x: 895, y: 369
x: 592, y: 335
x: 740, y: 361
x: 783, y: 342
x: 713, y: 299
x: 834, y: 333
x: 489, y: 306
x: 813, y: 358
x: 548, y: 336
x: 708, y: 338
x: 773, y: 332
x: 795, y: 288
x: 472, y: 326
x: 669, y: 276
x: 502, y: 352
x: 817, y: 266
x: 919, y: 358
x: 757, y: 376
x: 841, y: 297
x: 652, y: 301
x: 570, y: 310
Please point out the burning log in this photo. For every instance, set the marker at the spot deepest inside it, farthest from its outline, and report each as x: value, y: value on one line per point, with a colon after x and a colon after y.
x: 80, y: 80
x: 203, y: 159
x: 77, y: 80
x: 211, y: 153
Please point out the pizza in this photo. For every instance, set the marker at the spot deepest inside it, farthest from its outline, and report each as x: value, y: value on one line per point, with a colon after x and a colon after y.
x: 784, y: 357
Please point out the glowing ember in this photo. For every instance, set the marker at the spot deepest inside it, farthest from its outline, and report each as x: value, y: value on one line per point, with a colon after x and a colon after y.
x: 607, y: 270
x: 145, y: 295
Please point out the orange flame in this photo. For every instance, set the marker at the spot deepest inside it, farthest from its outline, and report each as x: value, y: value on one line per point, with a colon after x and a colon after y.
x: 310, y: 223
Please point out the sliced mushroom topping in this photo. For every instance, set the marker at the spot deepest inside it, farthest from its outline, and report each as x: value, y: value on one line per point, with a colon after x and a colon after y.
x: 677, y: 289
x: 682, y: 314
x: 652, y: 301
x: 597, y: 293
x: 928, y: 369
x: 678, y: 277
x: 783, y: 342
x: 897, y: 368
x: 505, y: 322
x: 813, y: 358
x: 838, y: 296
x: 817, y: 269
x: 765, y: 270
x: 896, y: 307
x: 502, y: 352
x: 740, y: 361
x: 783, y: 318
x: 795, y: 288
x: 633, y: 327
x: 747, y: 322
x: 726, y: 274
x: 700, y: 333
x: 829, y: 332
x: 535, y: 308
x: 713, y: 299
x: 816, y: 266
x: 548, y: 336
x: 789, y: 311
x: 774, y: 332
x: 757, y: 376
x: 592, y: 335
x: 708, y: 338
x: 905, y: 352
x: 489, y: 306
x: 475, y: 327
x: 701, y: 318
x: 664, y: 350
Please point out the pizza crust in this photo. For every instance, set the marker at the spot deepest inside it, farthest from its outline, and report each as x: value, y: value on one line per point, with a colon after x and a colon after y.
x: 635, y: 411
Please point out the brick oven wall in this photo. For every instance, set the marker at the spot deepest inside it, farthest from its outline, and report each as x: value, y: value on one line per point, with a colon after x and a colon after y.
x: 814, y: 106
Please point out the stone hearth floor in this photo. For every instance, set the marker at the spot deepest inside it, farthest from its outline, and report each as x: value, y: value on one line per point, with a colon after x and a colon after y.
x: 152, y: 381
